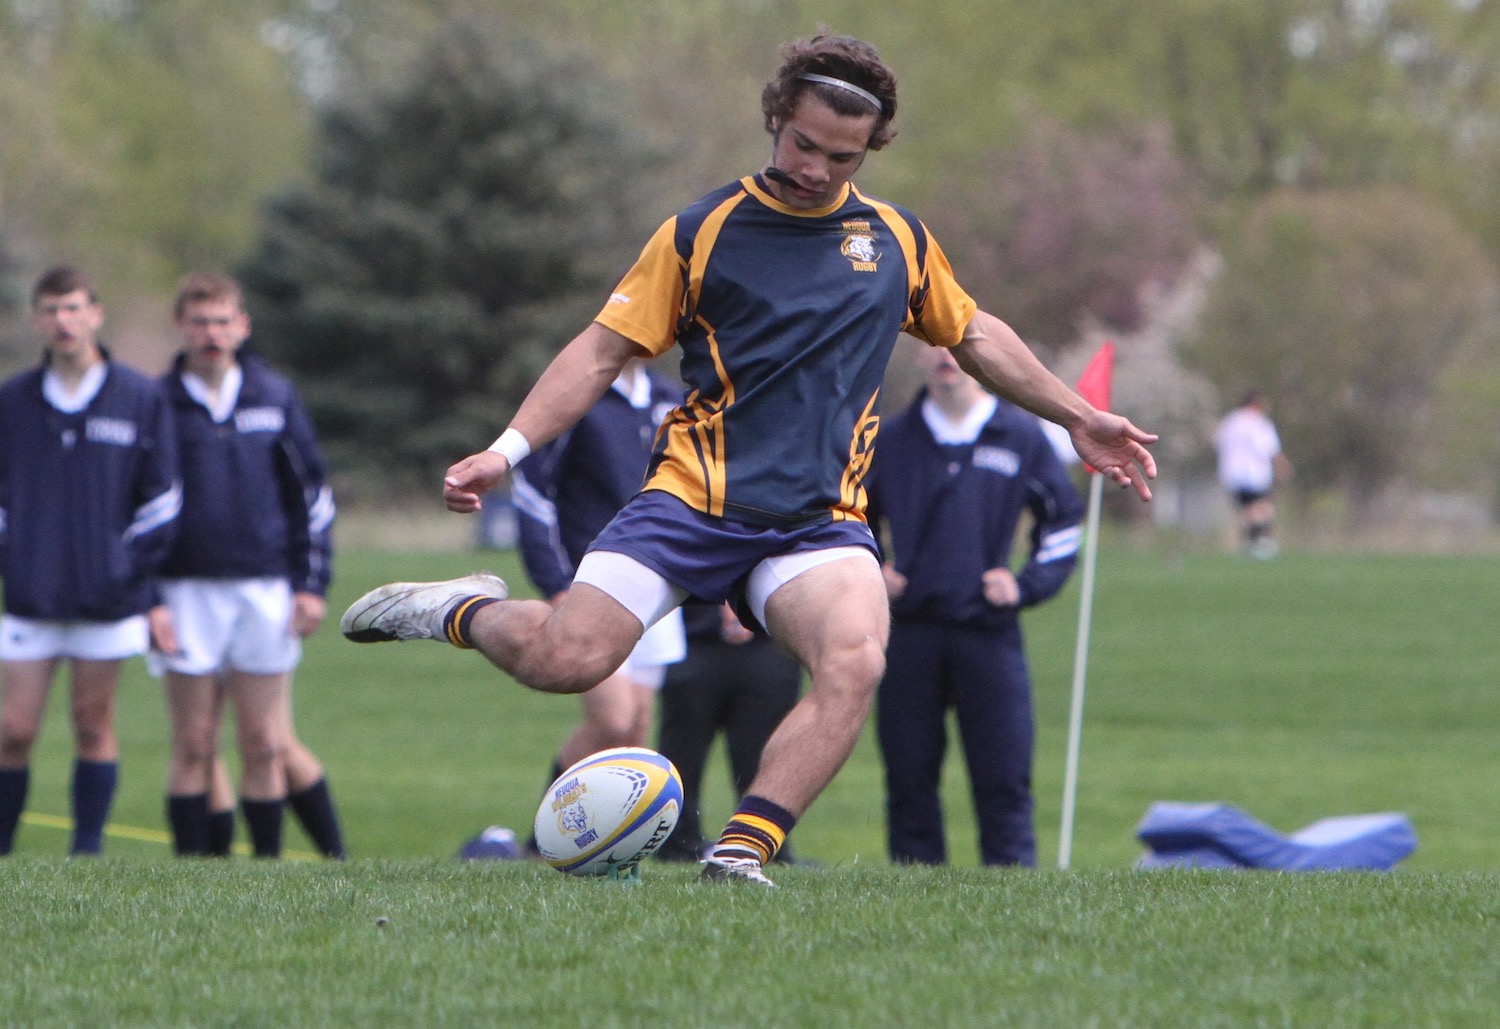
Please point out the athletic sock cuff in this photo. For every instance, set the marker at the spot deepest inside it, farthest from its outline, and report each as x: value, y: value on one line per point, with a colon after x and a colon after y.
x: 758, y: 829
x: 460, y: 617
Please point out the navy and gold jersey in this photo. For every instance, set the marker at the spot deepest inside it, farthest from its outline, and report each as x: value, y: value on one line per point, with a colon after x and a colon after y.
x: 786, y: 320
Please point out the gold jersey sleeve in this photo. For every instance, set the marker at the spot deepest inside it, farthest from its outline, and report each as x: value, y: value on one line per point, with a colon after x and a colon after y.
x: 945, y: 310
x: 645, y: 305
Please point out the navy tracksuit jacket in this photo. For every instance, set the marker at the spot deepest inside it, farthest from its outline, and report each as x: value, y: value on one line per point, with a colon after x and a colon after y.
x: 88, y: 500
x: 949, y: 512
x: 256, y: 501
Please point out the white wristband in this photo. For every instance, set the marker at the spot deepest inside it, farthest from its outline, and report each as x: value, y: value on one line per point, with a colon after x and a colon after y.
x: 512, y: 446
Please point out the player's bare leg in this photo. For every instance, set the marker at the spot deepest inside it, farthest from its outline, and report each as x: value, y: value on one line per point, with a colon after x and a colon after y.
x: 616, y: 713
x: 569, y: 648
x: 834, y: 618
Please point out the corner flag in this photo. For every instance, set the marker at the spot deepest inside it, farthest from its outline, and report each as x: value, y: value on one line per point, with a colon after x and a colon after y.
x: 1094, y: 385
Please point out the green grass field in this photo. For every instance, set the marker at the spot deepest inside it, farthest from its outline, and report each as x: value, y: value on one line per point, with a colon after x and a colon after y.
x: 1311, y: 686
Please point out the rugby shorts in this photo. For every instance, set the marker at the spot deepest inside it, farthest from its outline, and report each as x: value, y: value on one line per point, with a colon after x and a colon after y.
x: 658, y: 552
x: 30, y: 639
x: 242, y: 625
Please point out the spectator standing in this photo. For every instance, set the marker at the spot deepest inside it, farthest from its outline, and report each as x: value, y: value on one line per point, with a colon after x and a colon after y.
x: 246, y: 578
x: 89, y: 501
x: 956, y: 472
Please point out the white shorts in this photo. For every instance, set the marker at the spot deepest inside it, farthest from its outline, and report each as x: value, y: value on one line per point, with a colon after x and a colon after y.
x: 649, y: 596
x: 29, y: 639
x: 663, y: 644
x: 242, y: 625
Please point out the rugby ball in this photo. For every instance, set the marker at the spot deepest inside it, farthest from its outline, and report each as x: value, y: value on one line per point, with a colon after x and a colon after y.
x: 608, y: 812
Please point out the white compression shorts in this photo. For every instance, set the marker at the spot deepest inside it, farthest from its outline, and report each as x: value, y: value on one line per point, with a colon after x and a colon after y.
x: 649, y: 596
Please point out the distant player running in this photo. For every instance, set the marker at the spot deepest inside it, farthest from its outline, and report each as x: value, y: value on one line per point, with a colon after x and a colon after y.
x: 786, y: 291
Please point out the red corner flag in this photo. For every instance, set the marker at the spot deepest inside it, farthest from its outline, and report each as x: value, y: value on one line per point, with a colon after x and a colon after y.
x: 1095, y: 382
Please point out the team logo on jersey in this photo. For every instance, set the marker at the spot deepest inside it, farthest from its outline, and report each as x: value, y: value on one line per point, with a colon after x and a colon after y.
x: 859, y: 246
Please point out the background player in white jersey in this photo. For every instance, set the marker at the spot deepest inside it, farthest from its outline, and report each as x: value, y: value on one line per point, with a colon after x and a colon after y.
x: 1250, y: 464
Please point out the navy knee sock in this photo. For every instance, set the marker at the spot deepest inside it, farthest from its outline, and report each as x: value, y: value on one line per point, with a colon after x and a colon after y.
x: 187, y: 815
x: 314, y: 809
x: 221, y: 832
x: 93, y: 793
x: 13, y: 785
x: 264, y: 819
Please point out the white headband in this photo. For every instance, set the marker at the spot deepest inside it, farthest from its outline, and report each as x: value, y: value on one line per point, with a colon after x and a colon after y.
x: 829, y: 80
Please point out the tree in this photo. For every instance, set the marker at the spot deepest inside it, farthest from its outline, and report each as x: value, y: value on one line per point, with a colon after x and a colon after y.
x: 1345, y: 306
x: 1067, y: 228
x: 138, y: 134
x: 466, y: 218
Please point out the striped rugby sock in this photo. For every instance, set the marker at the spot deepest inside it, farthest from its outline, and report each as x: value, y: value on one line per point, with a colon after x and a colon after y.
x: 757, y: 830
x: 460, y: 617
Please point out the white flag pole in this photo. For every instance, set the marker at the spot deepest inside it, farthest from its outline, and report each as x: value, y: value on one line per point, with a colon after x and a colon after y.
x: 1080, y: 671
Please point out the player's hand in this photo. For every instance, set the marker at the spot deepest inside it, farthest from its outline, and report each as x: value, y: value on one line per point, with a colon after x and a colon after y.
x: 308, y: 610
x: 1117, y: 449
x: 731, y: 629
x: 895, y: 582
x: 163, y: 630
x: 468, y: 480
x: 1000, y: 589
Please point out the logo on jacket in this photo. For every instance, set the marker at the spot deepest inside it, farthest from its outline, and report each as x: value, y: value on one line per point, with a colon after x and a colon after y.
x: 260, y: 419
x: 859, y: 246
x: 116, y: 432
x: 997, y: 459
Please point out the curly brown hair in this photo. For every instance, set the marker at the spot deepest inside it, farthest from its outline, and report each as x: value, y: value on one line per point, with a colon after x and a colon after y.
x: 841, y: 57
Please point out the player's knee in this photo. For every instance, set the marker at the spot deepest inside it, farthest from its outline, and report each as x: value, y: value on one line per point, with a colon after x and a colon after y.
x: 194, y: 750
x: 17, y: 737
x: 855, y: 669
x: 620, y: 728
x: 260, y: 746
x: 93, y: 738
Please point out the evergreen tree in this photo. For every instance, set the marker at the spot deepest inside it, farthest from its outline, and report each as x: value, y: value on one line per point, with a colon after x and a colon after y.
x: 465, y: 220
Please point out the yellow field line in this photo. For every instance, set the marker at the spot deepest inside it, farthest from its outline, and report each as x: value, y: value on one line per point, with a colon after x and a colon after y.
x: 131, y: 832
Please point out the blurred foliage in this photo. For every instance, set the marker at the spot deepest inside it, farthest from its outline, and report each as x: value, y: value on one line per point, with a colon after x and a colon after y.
x: 139, y: 134
x: 1069, y: 227
x: 1375, y: 290
x: 1066, y: 155
x: 465, y: 218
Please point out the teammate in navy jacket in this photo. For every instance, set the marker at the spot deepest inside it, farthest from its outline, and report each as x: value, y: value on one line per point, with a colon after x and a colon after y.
x: 564, y: 494
x: 245, y: 580
x: 952, y: 477
x: 88, y: 505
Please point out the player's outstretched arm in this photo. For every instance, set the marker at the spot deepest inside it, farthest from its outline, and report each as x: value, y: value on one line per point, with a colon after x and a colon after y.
x: 993, y: 353
x: 576, y: 378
